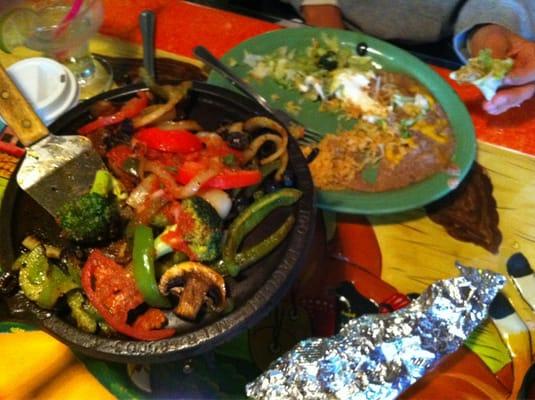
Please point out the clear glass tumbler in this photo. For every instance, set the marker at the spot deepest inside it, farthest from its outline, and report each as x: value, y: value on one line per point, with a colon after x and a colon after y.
x: 61, y: 30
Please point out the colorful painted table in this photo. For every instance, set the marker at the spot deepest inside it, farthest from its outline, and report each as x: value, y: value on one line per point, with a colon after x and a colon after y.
x: 379, y: 256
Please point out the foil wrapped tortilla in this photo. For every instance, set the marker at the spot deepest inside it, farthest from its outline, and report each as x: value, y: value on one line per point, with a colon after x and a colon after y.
x: 379, y: 356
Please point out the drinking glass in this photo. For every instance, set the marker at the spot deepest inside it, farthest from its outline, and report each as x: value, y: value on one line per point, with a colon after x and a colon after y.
x: 61, y: 30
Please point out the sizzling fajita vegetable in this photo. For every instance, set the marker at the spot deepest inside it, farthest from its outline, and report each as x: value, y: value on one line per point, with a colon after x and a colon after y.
x: 160, y: 232
x: 143, y: 259
x: 198, y: 232
x: 42, y: 281
x: 247, y: 221
x: 113, y: 292
x: 172, y: 141
x: 131, y: 108
x: 91, y: 217
x: 194, y: 284
x: 254, y: 253
x: 83, y: 313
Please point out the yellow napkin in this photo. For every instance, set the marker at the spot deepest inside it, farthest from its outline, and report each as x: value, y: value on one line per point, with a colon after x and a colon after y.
x: 35, y: 365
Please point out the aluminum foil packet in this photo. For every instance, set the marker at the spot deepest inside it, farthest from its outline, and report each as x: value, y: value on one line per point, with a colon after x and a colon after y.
x: 379, y: 356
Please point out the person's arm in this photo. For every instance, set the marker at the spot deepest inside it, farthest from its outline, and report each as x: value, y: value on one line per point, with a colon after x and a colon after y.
x: 322, y: 15
x: 504, y: 29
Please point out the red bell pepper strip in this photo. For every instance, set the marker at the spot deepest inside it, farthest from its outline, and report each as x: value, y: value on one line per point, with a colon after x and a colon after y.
x: 130, y: 109
x: 113, y: 292
x: 118, y: 155
x: 171, y: 141
x: 226, y: 179
x: 116, y: 160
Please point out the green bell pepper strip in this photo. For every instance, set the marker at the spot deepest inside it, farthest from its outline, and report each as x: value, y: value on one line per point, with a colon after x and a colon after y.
x: 249, y: 219
x: 84, y: 320
x: 86, y: 316
x: 144, y: 273
x: 42, y: 281
x: 254, y: 253
x: 102, y: 183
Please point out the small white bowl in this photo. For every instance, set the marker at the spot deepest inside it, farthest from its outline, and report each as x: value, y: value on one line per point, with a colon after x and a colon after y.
x: 48, y: 86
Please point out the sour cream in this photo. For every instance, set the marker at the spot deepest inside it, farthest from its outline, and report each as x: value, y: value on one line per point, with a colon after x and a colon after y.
x: 311, y: 83
x: 352, y: 87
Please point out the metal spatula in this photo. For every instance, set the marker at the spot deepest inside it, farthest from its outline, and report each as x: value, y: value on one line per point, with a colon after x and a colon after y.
x: 55, y: 169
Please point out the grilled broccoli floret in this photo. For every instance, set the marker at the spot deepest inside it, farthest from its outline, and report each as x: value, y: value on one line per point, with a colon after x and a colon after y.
x: 204, y: 239
x: 200, y: 234
x: 94, y: 216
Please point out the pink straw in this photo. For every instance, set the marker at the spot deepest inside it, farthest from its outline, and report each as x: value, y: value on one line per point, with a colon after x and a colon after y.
x: 73, y: 12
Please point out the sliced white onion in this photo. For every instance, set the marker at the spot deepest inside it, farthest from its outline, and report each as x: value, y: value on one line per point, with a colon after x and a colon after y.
x: 187, y: 124
x: 161, y: 248
x: 166, y: 179
x: 195, y: 184
x: 219, y: 199
x: 210, y: 135
x: 173, y: 188
x: 140, y: 192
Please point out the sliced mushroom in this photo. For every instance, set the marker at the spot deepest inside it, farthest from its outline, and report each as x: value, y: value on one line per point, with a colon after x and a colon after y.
x: 194, y: 284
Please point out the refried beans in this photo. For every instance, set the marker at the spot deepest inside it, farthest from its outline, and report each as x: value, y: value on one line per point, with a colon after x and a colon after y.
x: 411, y: 143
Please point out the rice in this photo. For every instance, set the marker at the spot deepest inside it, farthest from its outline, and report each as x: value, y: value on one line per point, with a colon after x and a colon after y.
x: 341, y: 160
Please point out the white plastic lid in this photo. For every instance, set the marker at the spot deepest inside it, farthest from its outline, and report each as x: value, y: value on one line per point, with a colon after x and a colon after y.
x: 48, y: 86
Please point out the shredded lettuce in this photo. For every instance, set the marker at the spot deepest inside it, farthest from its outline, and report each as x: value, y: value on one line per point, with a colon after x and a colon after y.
x: 305, y: 70
x: 251, y: 59
x: 485, y: 72
x: 332, y: 73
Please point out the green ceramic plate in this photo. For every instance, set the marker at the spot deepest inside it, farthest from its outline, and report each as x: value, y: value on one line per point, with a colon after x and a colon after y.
x: 391, y: 58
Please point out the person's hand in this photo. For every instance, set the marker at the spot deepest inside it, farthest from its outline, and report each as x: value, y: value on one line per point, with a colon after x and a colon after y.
x: 519, y: 84
x: 324, y: 16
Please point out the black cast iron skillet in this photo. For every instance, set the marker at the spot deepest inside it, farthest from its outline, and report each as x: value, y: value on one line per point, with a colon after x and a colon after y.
x: 254, y: 292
